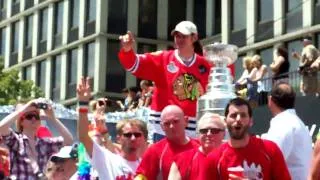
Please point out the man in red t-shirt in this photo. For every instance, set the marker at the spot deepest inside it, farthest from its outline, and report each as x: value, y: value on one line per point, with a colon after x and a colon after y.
x: 244, y: 156
x: 187, y: 165
x: 157, y: 160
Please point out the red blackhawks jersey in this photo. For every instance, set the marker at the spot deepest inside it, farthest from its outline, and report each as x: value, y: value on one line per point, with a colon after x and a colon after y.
x: 260, y: 159
x: 175, y: 82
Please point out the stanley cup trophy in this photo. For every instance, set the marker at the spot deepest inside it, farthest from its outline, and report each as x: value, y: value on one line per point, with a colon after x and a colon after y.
x: 220, y: 88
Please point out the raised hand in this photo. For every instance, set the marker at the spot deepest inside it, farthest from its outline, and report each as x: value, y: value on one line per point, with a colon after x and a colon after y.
x: 83, y: 90
x: 127, y: 41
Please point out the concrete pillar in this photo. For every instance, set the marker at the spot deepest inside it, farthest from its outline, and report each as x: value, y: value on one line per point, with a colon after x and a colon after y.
x: 225, y: 20
x: 189, y: 12
x: 251, y: 21
x: 133, y: 14
x: 278, y: 14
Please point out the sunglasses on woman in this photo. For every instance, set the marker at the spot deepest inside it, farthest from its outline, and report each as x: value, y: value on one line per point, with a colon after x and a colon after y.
x: 212, y: 130
x: 30, y: 116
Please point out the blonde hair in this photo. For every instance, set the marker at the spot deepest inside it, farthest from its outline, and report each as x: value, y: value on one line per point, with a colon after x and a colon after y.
x: 247, y: 62
x: 212, y: 117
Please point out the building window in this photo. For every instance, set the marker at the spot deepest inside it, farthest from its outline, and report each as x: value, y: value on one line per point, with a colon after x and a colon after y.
x: 72, y: 72
x: 176, y: 13
x: 2, y: 41
x: 56, y: 78
x: 266, y: 56
x: 265, y: 20
x: 43, y: 24
x: 147, y: 18
x: 3, y: 7
x: 74, y: 13
x: 238, y: 22
x: 15, y: 8
x: 238, y: 66
x: 27, y: 73
x: 58, y: 19
x: 41, y: 75
x: 89, y: 61
x: 318, y: 40
x: 317, y: 12
x: 216, y: 25
x: 292, y: 46
x: 116, y: 75
x: 144, y: 48
x: 117, y: 14
x: 28, y: 31
x: 15, y: 37
x: 238, y: 14
x: 293, y: 20
x: 199, y: 17
x: 91, y: 10
x: 28, y: 4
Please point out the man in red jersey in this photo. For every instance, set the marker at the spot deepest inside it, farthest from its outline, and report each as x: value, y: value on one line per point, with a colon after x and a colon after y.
x: 157, y: 159
x: 244, y: 156
x: 187, y: 165
x: 180, y: 75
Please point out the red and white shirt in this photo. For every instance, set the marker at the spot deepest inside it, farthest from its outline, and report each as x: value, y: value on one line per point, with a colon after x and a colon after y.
x: 260, y: 159
x: 157, y: 159
x: 175, y: 82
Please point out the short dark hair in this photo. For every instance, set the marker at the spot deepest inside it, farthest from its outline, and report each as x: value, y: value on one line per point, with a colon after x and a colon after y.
x: 283, y: 95
x: 238, y: 102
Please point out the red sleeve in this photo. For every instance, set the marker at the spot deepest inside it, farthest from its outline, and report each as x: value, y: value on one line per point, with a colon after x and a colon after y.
x: 145, y: 66
x: 209, y: 170
x: 279, y: 169
x: 232, y: 70
x: 127, y: 59
x: 149, y: 166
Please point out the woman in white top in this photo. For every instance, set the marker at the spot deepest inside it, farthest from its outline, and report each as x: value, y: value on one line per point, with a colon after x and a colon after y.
x: 262, y: 78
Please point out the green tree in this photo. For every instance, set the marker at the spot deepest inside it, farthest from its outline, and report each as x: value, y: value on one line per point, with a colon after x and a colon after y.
x: 12, y: 88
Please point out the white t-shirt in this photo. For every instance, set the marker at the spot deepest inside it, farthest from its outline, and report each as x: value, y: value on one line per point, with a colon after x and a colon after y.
x: 291, y: 135
x: 112, y: 166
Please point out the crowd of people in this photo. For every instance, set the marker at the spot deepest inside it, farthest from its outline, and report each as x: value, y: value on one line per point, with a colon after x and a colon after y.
x: 182, y: 147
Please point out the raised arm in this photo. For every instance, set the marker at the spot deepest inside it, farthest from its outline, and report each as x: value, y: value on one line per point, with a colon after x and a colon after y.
x: 6, y: 123
x: 84, y: 95
x: 62, y: 130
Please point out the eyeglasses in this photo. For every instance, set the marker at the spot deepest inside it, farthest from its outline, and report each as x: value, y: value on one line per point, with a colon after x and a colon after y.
x: 30, y: 116
x: 212, y: 130
x: 135, y: 134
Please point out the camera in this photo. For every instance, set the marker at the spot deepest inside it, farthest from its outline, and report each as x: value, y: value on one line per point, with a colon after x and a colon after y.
x: 41, y: 105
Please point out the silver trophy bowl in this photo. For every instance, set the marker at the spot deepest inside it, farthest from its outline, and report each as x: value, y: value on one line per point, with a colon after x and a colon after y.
x: 220, y: 87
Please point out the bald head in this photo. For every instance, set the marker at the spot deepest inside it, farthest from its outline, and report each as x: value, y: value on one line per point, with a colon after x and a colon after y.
x: 213, y: 119
x: 172, y: 110
x: 283, y: 95
x: 173, y: 123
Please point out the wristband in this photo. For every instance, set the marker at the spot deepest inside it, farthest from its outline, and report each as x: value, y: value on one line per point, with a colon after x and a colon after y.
x: 83, y: 109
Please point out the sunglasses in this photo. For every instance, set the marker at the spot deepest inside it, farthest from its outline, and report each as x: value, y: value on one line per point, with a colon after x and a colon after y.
x: 135, y: 134
x: 212, y: 130
x: 30, y: 116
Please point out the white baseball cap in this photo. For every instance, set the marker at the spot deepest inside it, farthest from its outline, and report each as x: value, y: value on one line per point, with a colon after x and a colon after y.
x: 185, y: 28
x: 66, y: 152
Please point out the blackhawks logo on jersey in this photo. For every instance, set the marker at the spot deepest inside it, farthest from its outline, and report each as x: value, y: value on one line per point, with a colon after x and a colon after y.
x: 186, y: 86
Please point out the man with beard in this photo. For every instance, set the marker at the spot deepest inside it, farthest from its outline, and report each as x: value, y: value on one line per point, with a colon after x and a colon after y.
x: 288, y: 131
x: 131, y: 136
x: 244, y: 156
